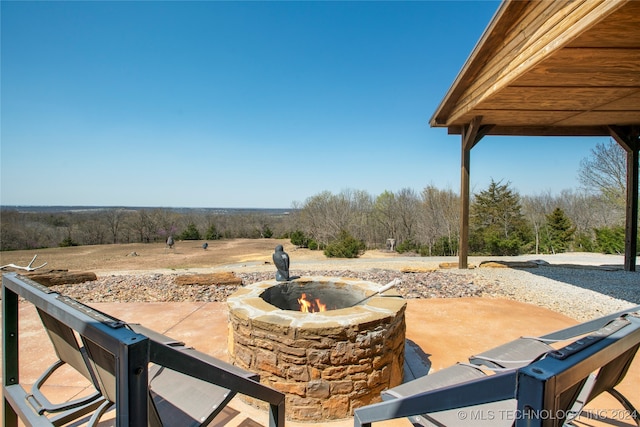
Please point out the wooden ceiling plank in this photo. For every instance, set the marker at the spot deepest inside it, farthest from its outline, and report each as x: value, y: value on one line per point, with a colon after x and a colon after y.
x: 551, y: 97
x: 620, y: 29
x: 587, y: 66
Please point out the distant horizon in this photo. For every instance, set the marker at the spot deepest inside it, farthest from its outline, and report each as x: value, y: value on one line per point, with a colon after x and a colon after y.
x: 105, y: 207
x: 116, y: 206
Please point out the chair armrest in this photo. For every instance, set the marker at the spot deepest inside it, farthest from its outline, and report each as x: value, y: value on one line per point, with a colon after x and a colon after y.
x: 154, y: 336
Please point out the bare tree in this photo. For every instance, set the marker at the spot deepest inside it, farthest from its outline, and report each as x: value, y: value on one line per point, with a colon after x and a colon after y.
x: 384, y: 214
x: 166, y: 223
x: 11, y: 230
x: 398, y: 213
x: 589, y: 211
x: 439, y: 218
x: 536, y: 209
x: 114, y: 219
x: 605, y: 172
x: 311, y: 218
x: 324, y: 216
x: 407, y: 208
x: 93, y: 230
x: 142, y: 224
x: 360, y: 223
x: 586, y: 211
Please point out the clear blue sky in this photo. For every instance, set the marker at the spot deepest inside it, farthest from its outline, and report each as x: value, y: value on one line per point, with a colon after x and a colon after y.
x: 245, y: 104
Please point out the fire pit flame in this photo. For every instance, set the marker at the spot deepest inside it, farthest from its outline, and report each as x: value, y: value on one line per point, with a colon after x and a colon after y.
x: 311, y: 306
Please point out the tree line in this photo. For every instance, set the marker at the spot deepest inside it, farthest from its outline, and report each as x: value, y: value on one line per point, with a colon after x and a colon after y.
x: 502, y: 222
x: 32, y: 230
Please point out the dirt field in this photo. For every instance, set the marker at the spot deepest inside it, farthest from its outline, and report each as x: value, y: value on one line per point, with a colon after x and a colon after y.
x: 250, y: 253
x: 140, y: 256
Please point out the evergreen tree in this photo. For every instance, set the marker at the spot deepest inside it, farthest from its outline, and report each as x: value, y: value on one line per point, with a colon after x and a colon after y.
x: 498, y: 226
x: 560, y: 231
x: 212, y: 233
x: 266, y: 232
x: 190, y: 233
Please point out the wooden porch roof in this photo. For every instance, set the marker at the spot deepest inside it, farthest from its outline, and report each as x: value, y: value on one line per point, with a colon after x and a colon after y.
x: 550, y: 68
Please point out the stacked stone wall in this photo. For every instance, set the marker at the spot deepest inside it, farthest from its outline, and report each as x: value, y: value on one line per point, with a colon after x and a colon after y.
x: 325, y: 369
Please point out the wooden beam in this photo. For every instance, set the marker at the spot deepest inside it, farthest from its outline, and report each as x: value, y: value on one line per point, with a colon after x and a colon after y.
x: 629, y: 138
x: 471, y: 135
x: 539, y: 130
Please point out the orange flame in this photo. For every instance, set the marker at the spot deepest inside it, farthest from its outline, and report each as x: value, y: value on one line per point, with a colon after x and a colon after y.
x: 313, y: 306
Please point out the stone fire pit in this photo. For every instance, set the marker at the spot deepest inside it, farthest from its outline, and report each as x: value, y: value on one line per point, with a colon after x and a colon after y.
x: 327, y: 363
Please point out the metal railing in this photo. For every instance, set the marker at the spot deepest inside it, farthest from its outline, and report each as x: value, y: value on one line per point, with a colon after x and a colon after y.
x: 132, y: 352
x: 540, y: 390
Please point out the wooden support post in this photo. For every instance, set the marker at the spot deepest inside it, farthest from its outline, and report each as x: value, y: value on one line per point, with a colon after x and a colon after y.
x: 629, y: 138
x: 470, y: 137
x: 463, y: 245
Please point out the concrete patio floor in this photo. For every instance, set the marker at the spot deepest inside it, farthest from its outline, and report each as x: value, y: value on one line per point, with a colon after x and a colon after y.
x: 444, y: 330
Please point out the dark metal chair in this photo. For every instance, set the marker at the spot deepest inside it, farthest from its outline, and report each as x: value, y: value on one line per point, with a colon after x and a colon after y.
x: 68, y: 352
x: 558, y: 381
x: 150, y: 379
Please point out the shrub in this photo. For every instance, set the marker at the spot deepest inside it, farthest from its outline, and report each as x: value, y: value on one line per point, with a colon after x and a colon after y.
x: 407, y: 246
x: 345, y: 246
x: 583, y: 243
x: 67, y: 243
x: 299, y: 239
x: 610, y: 240
x: 444, y: 246
x: 500, y: 246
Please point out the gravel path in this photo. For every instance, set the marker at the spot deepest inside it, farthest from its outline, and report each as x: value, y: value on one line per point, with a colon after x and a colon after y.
x: 579, y: 293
